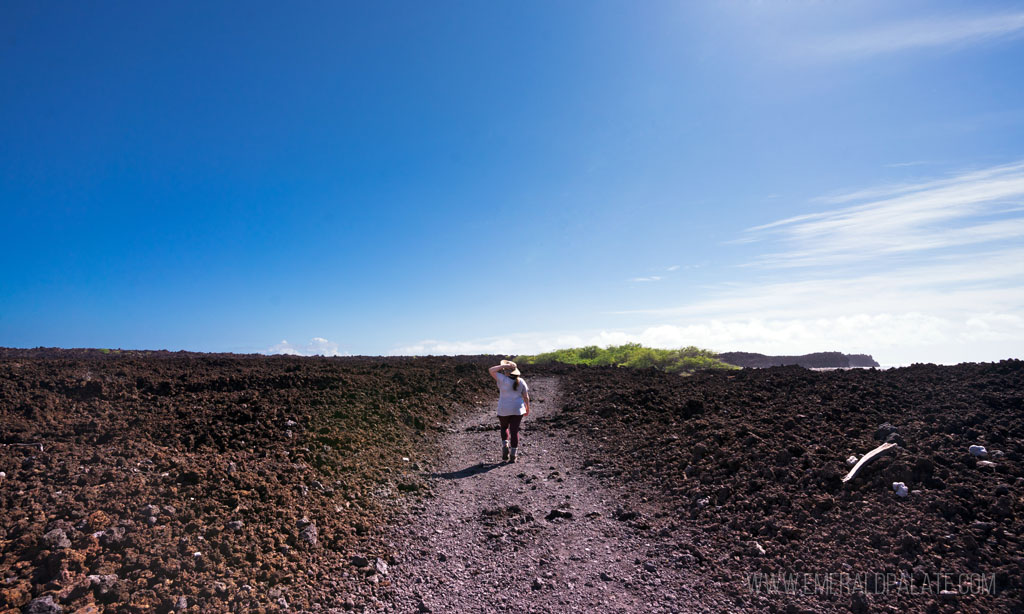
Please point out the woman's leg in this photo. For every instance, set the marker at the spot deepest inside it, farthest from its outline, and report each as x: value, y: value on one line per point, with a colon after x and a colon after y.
x: 513, y: 427
x: 505, y: 422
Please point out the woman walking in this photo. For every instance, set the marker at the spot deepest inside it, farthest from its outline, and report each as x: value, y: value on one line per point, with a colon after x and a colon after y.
x: 513, y: 404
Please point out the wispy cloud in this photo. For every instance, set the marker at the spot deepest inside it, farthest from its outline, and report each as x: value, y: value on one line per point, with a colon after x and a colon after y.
x: 317, y: 346
x: 905, y: 164
x: 644, y: 279
x: 976, y: 175
x: 922, y: 33
x: 674, y: 267
x: 959, y: 284
x: 968, y: 209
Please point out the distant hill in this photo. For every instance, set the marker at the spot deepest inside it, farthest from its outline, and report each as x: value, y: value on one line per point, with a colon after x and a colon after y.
x: 817, y: 360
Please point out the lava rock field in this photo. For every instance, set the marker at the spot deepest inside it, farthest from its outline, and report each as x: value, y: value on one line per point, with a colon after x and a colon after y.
x: 751, y: 463
x: 168, y: 482
x: 174, y: 482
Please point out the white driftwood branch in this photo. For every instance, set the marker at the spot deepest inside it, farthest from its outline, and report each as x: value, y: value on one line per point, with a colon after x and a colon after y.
x: 881, y: 450
x: 24, y: 445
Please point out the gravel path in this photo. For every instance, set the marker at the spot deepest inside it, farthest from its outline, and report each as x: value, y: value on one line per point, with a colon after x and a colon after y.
x: 540, y: 535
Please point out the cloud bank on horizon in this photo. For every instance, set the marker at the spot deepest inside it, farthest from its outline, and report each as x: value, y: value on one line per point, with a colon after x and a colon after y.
x: 317, y: 346
x: 933, y: 268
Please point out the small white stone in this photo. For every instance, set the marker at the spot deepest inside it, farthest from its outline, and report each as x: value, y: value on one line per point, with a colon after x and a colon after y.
x: 978, y: 451
x: 851, y: 461
x: 900, y: 489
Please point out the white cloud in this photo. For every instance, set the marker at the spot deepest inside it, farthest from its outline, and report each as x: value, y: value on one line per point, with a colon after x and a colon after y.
x: 954, y: 309
x: 492, y: 345
x: 953, y: 283
x: 893, y: 338
x: 643, y: 279
x: 674, y: 267
x: 851, y: 292
x: 968, y: 209
x: 904, y: 164
x: 922, y: 33
x: 317, y: 346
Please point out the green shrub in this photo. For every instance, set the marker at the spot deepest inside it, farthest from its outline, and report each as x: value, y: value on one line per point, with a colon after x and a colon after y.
x: 633, y: 355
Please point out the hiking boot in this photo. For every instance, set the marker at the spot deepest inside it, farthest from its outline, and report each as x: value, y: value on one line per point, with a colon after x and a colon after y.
x: 512, y: 456
x: 504, y: 453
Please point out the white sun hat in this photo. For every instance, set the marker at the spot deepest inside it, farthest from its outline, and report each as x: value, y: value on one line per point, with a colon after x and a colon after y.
x: 515, y: 369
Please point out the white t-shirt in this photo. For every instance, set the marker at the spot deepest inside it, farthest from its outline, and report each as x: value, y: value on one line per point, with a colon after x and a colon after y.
x: 510, y: 403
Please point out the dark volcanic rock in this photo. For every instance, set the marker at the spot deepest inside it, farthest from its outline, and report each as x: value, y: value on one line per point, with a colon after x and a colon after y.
x: 57, y: 540
x: 557, y: 513
x: 44, y: 605
x: 360, y: 561
x: 170, y: 476
x: 884, y: 431
x: 818, y: 360
x: 310, y: 535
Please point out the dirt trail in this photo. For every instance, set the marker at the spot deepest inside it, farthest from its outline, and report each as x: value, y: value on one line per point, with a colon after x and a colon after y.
x: 540, y: 535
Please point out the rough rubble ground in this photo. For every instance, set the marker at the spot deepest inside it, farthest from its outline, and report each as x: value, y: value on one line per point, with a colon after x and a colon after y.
x: 751, y: 462
x: 539, y: 535
x: 328, y: 485
x: 206, y: 483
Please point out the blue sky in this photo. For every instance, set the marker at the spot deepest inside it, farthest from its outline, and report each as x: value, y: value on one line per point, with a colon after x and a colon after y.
x: 403, y: 177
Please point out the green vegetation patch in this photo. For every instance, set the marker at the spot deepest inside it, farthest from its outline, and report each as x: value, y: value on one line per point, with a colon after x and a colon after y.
x: 685, y: 360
